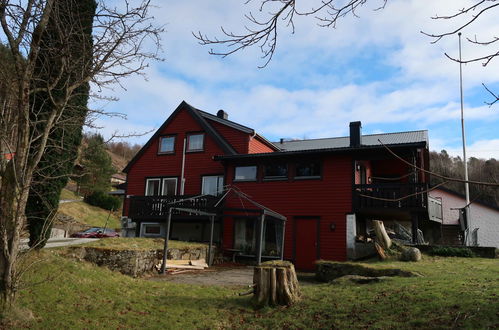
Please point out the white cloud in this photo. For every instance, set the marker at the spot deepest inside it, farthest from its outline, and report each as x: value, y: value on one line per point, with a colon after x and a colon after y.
x: 320, y: 79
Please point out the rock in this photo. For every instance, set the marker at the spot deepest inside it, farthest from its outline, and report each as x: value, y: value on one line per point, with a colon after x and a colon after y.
x: 330, y: 270
x: 411, y: 254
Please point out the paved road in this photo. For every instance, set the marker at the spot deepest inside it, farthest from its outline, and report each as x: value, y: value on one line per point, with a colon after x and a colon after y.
x: 57, y: 242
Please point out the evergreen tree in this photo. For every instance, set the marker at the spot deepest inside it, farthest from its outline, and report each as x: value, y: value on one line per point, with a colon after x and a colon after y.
x: 65, y: 57
x: 97, y: 166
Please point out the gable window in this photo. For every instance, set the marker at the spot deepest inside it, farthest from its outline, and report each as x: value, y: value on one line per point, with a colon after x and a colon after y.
x: 311, y: 169
x: 245, y: 173
x: 275, y: 171
x: 166, y: 145
x: 212, y: 185
x: 195, y: 142
x: 161, y: 187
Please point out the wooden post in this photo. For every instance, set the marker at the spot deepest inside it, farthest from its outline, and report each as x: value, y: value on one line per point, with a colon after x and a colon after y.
x: 260, y: 240
x: 167, y: 237
x: 414, y: 228
x: 275, y: 284
x: 283, y: 236
x: 212, y: 220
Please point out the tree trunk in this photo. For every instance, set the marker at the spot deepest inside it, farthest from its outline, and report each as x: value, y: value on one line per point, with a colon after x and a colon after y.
x: 275, y: 283
x: 381, y: 236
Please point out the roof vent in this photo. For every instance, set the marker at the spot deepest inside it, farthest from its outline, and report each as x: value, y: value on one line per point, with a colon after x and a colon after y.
x: 222, y: 114
x: 355, y: 134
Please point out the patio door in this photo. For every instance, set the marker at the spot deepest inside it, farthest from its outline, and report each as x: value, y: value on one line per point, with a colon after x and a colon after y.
x: 306, y: 247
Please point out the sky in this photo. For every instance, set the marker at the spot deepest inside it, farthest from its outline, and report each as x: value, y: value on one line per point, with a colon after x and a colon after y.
x: 377, y: 68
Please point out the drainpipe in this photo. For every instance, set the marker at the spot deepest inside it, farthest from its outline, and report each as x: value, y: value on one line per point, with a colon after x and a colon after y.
x: 182, y: 179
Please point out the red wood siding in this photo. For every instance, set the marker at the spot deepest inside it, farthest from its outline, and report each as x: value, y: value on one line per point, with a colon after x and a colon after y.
x: 197, y: 164
x: 237, y: 139
x: 329, y: 198
x: 256, y: 146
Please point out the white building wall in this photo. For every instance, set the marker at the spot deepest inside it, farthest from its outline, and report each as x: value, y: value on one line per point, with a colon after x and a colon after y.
x: 485, y: 218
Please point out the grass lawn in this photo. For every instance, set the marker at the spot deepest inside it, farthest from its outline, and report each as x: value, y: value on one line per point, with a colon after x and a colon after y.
x: 68, y: 194
x: 454, y: 292
x: 129, y: 243
x: 91, y: 215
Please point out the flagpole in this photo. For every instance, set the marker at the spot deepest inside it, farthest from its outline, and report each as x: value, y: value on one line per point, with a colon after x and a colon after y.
x: 465, y: 161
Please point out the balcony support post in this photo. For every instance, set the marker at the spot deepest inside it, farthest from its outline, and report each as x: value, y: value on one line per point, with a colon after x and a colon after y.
x: 167, y: 237
x: 414, y: 217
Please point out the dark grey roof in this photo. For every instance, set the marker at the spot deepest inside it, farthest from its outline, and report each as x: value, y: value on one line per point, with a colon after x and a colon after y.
x: 226, y: 122
x: 344, y: 142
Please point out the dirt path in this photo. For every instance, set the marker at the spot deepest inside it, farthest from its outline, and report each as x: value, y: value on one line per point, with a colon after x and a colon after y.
x: 224, y: 276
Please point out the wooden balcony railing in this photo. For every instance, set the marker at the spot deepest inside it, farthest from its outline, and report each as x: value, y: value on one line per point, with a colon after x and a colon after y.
x: 390, y: 195
x: 156, y: 207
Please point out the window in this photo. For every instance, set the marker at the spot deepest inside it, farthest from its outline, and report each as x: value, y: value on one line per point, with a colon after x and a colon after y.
x: 153, y: 187
x: 158, y: 186
x: 245, y: 173
x: 166, y: 144
x: 212, y: 185
x: 244, y: 236
x: 246, y: 232
x: 308, y: 170
x: 195, y: 142
x: 275, y: 171
x: 169, y: 187
x: 151, y: 229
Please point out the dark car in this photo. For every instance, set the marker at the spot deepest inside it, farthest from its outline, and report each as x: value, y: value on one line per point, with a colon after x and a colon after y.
x: 96, y: 232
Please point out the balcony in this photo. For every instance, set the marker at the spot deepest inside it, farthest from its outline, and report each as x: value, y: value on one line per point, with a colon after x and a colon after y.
x: 390, y: 195
x: 156, y: 207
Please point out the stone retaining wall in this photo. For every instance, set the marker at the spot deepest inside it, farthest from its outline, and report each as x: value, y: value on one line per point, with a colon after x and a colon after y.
x: 135, y: 262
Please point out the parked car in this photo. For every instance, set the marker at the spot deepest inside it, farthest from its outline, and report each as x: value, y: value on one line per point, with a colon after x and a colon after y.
x: 96, y: 232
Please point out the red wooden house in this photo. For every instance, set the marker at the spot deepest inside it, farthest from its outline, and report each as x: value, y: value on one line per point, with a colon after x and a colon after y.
x: 302, y: 200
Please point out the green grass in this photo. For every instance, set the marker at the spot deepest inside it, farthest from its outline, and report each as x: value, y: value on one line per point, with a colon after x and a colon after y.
x: 68, y: 194
x: 122, y: 243
x: 90, y: 215
x: 454, y: 292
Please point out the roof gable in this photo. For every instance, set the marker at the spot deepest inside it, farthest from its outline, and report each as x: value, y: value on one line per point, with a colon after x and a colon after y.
x: 195, y: 113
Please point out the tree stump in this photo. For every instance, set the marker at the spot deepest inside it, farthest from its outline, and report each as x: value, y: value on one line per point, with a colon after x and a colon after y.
x: 275, y: 284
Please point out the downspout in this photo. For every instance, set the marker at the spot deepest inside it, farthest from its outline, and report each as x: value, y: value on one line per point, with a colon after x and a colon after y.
x: 182, y: 179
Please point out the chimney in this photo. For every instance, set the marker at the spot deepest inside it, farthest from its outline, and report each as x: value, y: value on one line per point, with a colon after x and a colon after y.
x: 222, y: 114
x: 355, y: 134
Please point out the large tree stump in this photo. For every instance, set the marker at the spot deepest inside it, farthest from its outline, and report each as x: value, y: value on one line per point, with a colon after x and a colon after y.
x: 275, y: 284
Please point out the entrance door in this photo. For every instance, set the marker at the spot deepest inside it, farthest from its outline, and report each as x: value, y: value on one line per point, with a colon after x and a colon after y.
x: 306, y: 244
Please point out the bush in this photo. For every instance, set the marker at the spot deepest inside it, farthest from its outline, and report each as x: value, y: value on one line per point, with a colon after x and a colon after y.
x: 103, y: 200
x: 452, y: 252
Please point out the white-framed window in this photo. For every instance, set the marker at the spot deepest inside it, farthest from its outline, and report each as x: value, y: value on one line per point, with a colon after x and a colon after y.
x: 151, y: 229
x: 245, y: 173
x: 161, y: 187
x: 195, y: 142
x: 212, y: 185
x: 166, y: 145
x: 169, y: 187
x: 153, y: 187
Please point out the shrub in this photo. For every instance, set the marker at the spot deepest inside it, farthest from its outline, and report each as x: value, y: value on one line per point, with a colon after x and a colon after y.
x: 452, y: 252
x: 103, y: 200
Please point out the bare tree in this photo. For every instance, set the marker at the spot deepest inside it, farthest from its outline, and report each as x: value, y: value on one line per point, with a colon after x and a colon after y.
x: 122, y: 37
x: 263, y: 28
